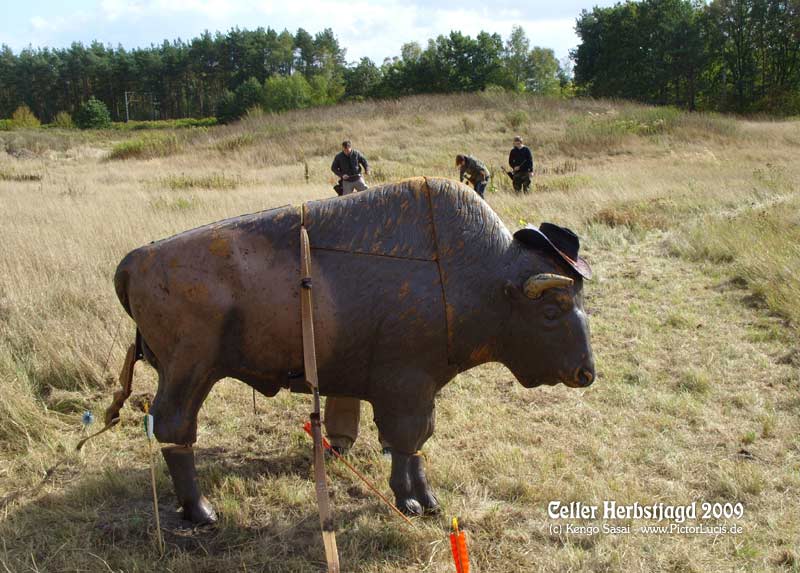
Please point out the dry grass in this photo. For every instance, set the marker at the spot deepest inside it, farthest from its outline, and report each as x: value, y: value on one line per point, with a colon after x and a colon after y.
x: 690, y: 225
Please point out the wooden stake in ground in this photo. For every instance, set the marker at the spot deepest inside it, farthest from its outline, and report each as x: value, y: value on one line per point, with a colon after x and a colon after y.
x: 148, y: 428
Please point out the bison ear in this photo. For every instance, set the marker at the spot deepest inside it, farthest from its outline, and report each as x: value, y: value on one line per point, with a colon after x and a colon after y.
x: 512, y: 291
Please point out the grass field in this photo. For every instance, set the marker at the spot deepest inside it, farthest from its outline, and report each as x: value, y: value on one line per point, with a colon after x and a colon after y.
x: 691, y: 222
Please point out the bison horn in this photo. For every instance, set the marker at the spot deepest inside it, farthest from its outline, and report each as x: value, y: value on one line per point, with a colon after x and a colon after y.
x: 537, y: 284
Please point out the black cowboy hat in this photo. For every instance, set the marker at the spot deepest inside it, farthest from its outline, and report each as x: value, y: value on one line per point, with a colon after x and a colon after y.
x: 562, y: 240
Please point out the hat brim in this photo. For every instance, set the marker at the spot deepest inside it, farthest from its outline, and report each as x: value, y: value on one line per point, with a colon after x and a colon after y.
x: 533, y: 237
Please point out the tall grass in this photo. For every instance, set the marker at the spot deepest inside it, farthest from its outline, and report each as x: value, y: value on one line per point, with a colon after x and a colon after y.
x: 760, y: 246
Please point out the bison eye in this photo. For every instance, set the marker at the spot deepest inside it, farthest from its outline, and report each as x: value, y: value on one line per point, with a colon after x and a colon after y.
x: 552, y: 312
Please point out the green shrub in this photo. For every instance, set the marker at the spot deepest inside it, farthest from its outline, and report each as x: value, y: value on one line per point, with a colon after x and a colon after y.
x: 249, y: 94
x: 494, y: 89
x: 23, y: 117
x: 286, y: 92
x: 325, y: 90
x: 226, y: 108
x: 146, y: 147
x: 63, y: 120
x: 6, y: 125
x: 233, y: 105
x: 93, y: 115
x: 516, y: 119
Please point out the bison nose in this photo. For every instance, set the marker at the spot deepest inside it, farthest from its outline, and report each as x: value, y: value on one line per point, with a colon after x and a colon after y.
x: 581, y: 378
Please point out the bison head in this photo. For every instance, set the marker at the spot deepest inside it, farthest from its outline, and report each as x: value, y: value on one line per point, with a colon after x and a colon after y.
x: 546, y: 336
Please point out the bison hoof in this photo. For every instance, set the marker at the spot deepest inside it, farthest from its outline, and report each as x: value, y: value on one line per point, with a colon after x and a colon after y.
x: 430, y: 504
x: 200, y: 512
x: 410, y: 506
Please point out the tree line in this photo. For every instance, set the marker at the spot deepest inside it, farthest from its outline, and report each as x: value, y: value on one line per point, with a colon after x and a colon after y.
x: 223, y: 75
x: 726, y: 55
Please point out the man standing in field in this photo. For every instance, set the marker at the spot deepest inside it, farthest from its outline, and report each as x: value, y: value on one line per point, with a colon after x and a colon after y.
x: 342, y: 414
x: 347, y: 166
x: 521, y: 161
x: 474, y: 171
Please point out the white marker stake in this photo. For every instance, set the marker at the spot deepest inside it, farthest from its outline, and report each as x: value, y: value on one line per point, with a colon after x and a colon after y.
x: 148, y: 428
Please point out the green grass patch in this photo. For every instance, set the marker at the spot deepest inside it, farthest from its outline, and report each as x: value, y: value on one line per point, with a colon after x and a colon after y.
x: 20, y: 177
x: 178, y: 204
x: 205, y: 181
x: 146, y: 147
x: 748, y: 438
x: 601, y: 132
x: 165, y: 124
x: 694, y: 382
x: 235, y: 142
x: 516, y: 119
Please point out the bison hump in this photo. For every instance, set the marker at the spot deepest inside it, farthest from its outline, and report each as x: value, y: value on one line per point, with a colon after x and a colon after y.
x: 391, y: 220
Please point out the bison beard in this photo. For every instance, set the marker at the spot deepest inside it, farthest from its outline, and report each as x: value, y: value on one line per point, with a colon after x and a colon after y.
x: 414, y: 282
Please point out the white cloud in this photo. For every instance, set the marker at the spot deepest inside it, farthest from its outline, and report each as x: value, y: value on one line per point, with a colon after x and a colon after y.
x: 213, y: 10
x: 113, y: 10
x: 42, y: 30
x: 41, y: 25
x: 375, y: 28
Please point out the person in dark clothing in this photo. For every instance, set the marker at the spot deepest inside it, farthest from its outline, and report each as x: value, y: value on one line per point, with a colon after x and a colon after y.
x: 474, y: 171
x: 342, y: 414
x: 521, y: 161
x: 347, y: 166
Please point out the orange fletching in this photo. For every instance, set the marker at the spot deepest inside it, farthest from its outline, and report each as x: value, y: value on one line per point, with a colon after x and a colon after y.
x: 458, y: 544
x: 463, y: 552
x: 456, y: 556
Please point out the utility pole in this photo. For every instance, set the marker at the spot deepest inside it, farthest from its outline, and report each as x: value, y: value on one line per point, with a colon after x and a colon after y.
x: 127, y: 115
x: 129, y: 99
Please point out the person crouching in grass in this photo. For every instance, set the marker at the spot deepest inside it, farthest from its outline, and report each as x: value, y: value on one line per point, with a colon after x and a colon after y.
x: 474, y: 171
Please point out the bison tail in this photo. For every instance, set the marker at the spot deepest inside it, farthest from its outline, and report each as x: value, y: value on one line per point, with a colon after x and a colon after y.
x: 111, y: 417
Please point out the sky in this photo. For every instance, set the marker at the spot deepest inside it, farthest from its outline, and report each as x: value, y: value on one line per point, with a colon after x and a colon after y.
x: 372, y: 28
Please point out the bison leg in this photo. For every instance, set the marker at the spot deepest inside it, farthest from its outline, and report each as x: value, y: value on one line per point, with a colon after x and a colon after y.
x: 410, y: 486
x: 407, y: 434
x: 196, y: 508
x: 422, y: 491
x: 402, y: 486
x: 182, y: 389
